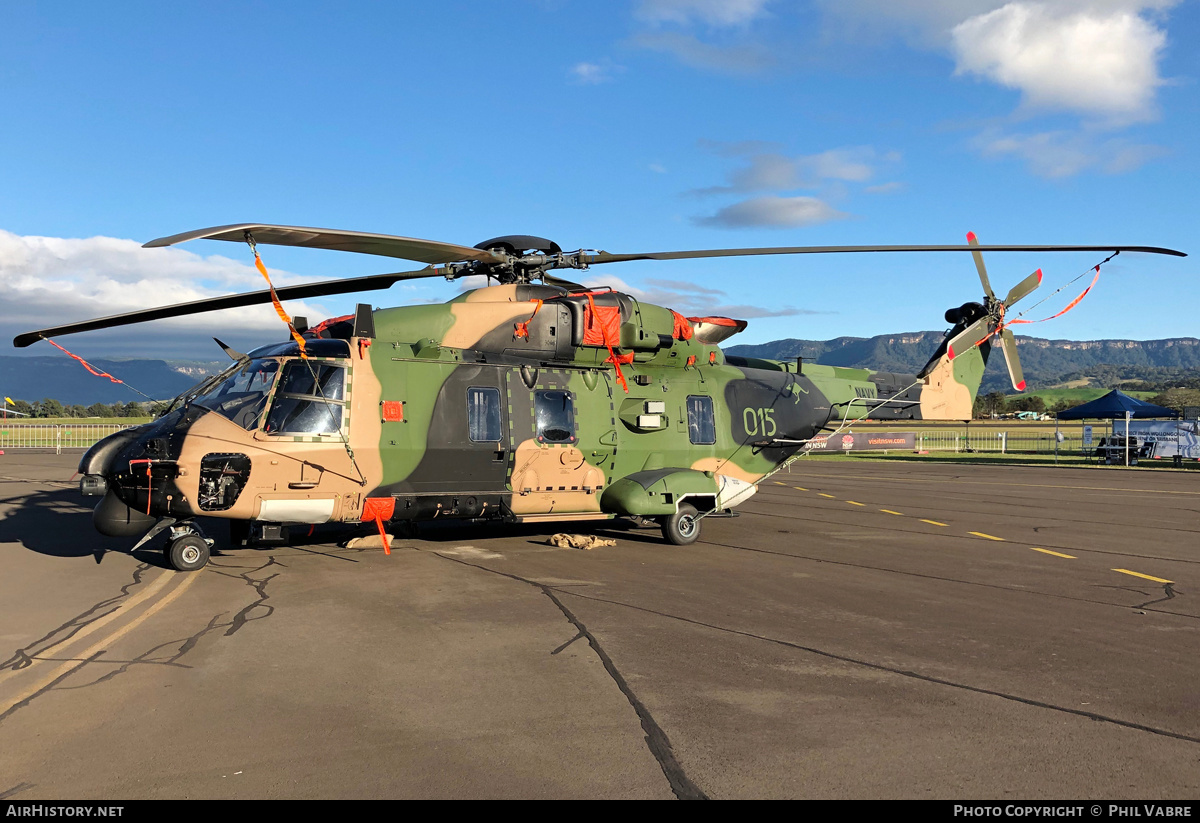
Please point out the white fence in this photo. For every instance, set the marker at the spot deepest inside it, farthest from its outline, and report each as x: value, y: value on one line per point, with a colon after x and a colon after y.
x: 1002, y: 442
x: 57, y: 437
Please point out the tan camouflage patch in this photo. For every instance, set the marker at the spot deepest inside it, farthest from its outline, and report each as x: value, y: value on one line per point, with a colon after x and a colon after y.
x: 944, y: 398
x: 473, y: 320
x: 554, y: 478
x: 725, y: 466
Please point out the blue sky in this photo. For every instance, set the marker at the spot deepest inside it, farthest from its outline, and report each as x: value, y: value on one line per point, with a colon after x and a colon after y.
x: 626, y: 126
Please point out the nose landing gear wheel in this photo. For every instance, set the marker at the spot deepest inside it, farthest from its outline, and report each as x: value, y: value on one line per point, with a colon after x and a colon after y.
x: 683, y: 527
x: 188, y: 553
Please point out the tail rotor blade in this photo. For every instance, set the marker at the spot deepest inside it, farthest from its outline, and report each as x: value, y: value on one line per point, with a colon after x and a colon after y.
x: 1010, y: 357
x: 1023, y: 288
x: 968, y: 337
x: 987, y: 286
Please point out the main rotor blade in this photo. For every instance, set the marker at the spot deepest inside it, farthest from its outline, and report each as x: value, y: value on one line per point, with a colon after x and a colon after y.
x: 968, y: 337
x: 1010, y: 357
x: 983, y: 278
x: 370, y: 282
x: 606, y: 257
x: 406, y: 248
x: 1023, y: 288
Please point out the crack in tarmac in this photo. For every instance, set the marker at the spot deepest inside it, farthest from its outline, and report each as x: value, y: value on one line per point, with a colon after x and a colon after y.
x: 20, y: 787
x: 892, y: 528
x: 1168, y: 590
x: 952, y: 579
x: 656, y: 739
x: 900, y: 672
x: 23, y: 658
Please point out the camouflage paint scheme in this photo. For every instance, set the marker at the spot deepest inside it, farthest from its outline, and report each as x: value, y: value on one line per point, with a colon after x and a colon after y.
x: 404, y: 433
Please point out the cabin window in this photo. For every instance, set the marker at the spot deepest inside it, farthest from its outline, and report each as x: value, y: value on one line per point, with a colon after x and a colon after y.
x: 309, y: 399
x: 242, y: 395
x: 483, y: 414
x: 555, y: 412
x: 702, y: 427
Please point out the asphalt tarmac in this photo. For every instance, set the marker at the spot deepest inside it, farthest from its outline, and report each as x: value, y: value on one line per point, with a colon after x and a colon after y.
x: 863, y: 630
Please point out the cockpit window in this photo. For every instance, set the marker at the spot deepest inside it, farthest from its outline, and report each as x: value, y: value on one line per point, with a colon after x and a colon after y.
x: 242, y: 395
x: 309, y: 400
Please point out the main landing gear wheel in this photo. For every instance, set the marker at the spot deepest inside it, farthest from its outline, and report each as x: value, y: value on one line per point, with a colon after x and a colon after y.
x: 683, y: 527
x: 188, y: 553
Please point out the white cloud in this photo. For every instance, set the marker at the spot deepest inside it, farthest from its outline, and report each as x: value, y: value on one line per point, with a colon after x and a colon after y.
x: 739, y: 58
x: 767, y: 170
x: 710, y: 12
x: 691, y: 299
x: 47, y: 281
x: 773, y: 212
x: 1096, y: 58
x: 1056, y: 154
x: 593, y: 74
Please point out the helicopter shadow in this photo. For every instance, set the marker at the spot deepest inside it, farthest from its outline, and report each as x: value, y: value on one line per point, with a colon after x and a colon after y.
x: 56, y: 524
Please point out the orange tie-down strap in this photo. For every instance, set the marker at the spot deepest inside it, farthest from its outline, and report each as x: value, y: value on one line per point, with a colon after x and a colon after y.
x: 608, y: 319
x: 522, y: 329
x: 283, y: 315
x: 380, y: 509
x: 683, y: 327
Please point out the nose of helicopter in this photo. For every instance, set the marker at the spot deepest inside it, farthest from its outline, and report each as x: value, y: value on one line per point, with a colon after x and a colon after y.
x: 119, y: 469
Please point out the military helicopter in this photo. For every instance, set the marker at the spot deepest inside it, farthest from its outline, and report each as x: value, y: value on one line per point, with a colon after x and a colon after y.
x: 522, y: 401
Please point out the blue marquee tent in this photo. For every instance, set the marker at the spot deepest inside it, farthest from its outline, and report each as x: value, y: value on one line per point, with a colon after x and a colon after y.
x: 1113, y: 406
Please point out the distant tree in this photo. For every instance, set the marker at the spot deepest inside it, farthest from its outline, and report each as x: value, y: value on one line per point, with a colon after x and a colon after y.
x: 1177, y: 398
x: 1033, y: 403
x: 76, y: 410
x: 49, y: 407
x: 133, y: 409
x: 159, y: 408
x: 99, y: 410
x: 23, y: 406
x: 994, y: 403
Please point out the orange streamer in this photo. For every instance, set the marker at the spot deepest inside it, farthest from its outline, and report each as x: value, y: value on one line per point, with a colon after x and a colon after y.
x: 283, y: 315
x: 1070, y: 305
x: 1003, y: 325
x: 85, y: 363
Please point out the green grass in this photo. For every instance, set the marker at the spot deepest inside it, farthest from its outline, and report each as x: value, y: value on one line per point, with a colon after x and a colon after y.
x: 60, y: 432
x: 1083, y: 394
x: 1071, y: 428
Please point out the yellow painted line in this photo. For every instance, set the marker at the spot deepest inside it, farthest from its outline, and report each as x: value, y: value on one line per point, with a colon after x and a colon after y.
x: 823, y: 494
x: 101, y: 644
x: 889, y: 511
x: 150, y: 590
x: 801, y: 488
x: 1143, y: 576
x: 1056, y: 554
x: 855, y: 503
x: 932, y: 522
x: 777, y: 483
x: 959, y: 482
x: 988, y: 536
